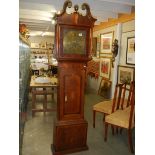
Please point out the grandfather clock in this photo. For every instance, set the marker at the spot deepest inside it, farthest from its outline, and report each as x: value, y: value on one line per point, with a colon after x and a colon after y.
x: 73, y: 45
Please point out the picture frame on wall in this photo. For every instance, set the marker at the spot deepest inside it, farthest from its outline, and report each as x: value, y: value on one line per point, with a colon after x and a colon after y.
x: 130, y: 51
x: 125, y: 74
x: 106, y: 40
x: 105, y: 88
x: 105, y: 67
x: 94, y: 46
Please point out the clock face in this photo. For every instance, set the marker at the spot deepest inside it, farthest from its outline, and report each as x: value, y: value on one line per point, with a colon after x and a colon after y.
x: 74, y: 41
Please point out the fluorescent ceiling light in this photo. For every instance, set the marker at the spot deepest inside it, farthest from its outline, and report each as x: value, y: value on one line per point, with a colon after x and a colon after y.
x: 43, y: 34
x: 40, y: 33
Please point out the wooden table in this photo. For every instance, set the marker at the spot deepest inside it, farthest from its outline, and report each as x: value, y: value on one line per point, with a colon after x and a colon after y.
x: 44, y: 91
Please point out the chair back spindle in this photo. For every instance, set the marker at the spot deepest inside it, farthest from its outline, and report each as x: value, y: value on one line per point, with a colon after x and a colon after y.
x: 132, y: 103
x: 117, y: 97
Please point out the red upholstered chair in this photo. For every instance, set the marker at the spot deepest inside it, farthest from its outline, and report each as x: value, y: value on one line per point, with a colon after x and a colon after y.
x: 123, y: 118
x: 106, y: 106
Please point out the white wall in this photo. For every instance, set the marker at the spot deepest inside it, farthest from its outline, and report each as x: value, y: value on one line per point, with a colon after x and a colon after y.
x: 94, y: 83
x: 127, y: 30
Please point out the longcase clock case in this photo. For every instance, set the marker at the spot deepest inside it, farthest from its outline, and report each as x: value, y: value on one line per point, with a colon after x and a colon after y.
x: 73, y: 39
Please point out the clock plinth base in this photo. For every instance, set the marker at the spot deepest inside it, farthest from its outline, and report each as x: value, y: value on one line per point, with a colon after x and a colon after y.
x: 69, y: 137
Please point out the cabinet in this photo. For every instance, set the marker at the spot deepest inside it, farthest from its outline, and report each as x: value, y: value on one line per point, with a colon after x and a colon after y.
x: 24, y: 64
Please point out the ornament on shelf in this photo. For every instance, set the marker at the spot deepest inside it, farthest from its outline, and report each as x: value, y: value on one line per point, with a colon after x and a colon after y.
x: 23, y: 30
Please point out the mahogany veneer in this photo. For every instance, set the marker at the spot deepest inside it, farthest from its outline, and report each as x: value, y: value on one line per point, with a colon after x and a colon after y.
x: 70, y: 127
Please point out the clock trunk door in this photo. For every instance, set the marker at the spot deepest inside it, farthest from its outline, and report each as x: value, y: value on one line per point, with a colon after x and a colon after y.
x: 71, y: 90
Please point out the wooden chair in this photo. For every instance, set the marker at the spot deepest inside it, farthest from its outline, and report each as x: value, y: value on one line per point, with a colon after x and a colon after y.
x: 123, y: 118
x: 105, y: 107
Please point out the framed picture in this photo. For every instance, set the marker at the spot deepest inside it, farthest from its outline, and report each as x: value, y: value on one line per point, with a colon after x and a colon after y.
x: 105, y: 88
x: 105, y: 67
x: 125, y: 74
x: 94, y: 46
x: 130, y: 51
x: 106, y: 42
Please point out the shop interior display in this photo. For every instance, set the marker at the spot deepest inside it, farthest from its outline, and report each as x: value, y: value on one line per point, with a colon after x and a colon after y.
x: 39, y: 58
x: 77, y: 56
x: 42, y: 56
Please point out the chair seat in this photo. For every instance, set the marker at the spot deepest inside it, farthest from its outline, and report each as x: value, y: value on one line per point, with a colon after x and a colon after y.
x: 106, y: 106
x: 120, y: 118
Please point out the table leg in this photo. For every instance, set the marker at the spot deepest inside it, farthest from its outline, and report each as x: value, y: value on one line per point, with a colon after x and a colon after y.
x: 45, y: 103
x: 52, y: 93
x: 33, y: 103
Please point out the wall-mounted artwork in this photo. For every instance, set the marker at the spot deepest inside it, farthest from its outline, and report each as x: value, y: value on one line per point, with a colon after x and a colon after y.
x: 130, y: 51
x: 106, y: 42
x: 125, y: 74
x: 105, y: 67
x: 94, y: 46
x: 93, y: 68
x: 104, y: 88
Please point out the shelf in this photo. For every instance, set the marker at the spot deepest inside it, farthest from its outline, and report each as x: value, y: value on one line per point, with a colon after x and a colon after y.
x: 39, y: 53
x: 40, y: 48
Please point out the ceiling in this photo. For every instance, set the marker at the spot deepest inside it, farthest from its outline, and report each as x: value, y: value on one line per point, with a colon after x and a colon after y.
x: 37, y: 14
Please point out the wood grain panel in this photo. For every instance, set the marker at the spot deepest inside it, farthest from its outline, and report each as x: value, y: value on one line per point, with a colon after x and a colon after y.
x: 72, y: 97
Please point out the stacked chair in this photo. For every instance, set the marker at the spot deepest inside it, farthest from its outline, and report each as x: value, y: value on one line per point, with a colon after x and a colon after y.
x: 105, y: 107
x: 123, y: 117
x: 119, y: 111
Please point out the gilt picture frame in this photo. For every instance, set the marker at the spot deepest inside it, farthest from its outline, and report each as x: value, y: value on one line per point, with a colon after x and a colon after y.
x: 125, y: 74
x: 94, y: 46
x: 105, y: 67
x: 106, y: 40
x: 130, y: 51
x: 105, y: 88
